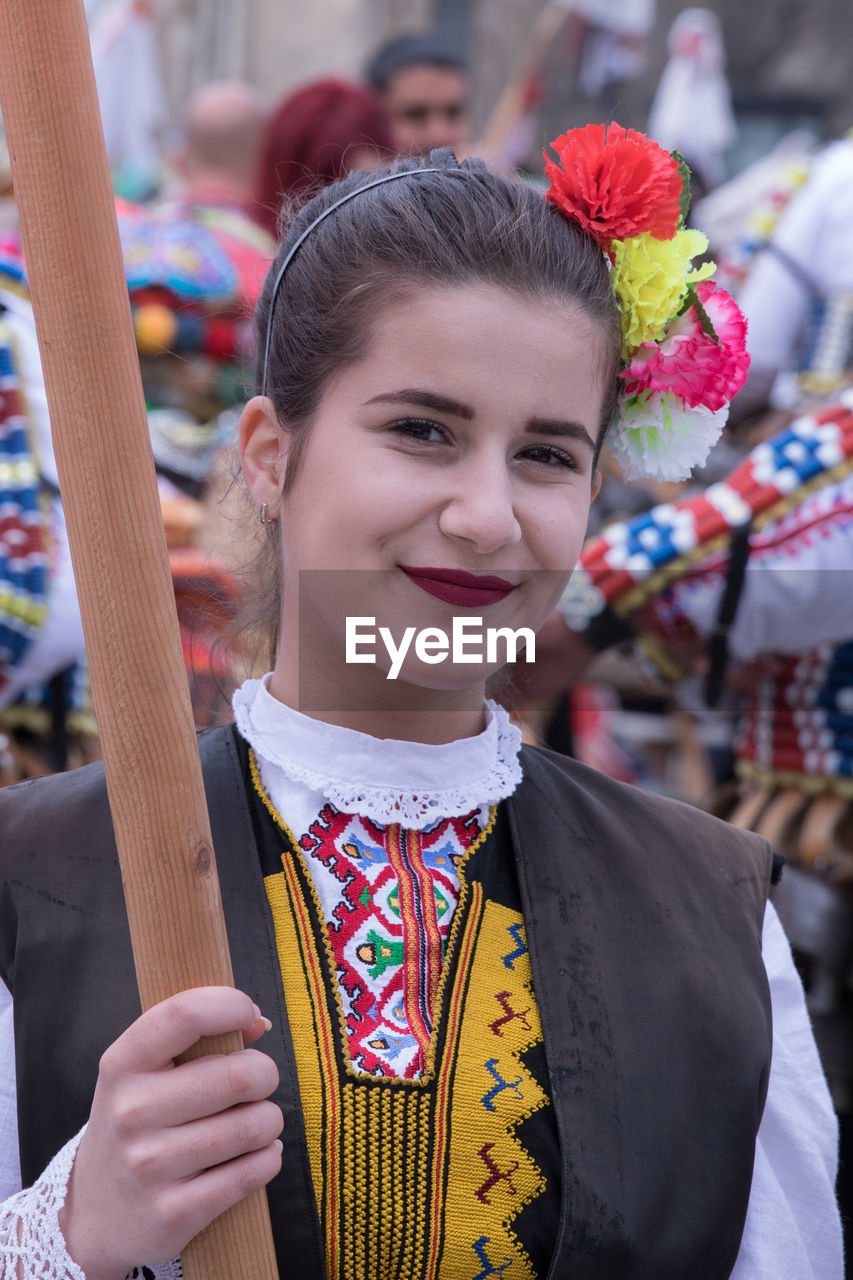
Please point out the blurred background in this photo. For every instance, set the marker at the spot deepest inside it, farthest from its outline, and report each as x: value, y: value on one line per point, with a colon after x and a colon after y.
x: 788, y: 61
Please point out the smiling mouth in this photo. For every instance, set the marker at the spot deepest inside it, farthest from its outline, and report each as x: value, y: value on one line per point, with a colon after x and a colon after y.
x: 455, y: 586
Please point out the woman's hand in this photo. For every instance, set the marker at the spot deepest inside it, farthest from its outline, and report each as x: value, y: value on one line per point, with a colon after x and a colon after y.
x: 169, y: 1147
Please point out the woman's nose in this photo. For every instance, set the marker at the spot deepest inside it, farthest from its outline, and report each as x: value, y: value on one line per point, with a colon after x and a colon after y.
x: 481, y: 507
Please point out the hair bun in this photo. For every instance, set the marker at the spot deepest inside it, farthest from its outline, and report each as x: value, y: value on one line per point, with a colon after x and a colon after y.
x: 444, y: 157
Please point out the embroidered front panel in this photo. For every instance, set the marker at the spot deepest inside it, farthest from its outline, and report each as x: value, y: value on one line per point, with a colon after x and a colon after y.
x: 388, y: 896
x: 452, y: 1174
x: 422, y: 1178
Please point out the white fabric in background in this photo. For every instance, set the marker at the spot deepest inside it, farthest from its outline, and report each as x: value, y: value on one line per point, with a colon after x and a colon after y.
x: 815, y: 232
x: 628, y: 17
x: 798, y: 585
x: 130, y: 89
x: 691, y: 111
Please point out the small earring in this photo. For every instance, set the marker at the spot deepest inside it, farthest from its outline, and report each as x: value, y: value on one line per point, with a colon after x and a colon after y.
x: 263, y: 513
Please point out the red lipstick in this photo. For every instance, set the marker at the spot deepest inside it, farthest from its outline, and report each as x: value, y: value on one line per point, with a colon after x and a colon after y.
x: 455, y: 586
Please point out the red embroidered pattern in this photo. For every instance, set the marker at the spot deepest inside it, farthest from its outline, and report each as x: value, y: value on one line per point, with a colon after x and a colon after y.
x: 388, y: 896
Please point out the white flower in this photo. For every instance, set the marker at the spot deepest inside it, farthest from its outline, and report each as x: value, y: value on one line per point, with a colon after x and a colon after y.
x: 654, y: 436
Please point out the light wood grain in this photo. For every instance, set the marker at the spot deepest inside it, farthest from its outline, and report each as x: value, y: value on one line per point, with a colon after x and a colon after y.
x: 97, y: 411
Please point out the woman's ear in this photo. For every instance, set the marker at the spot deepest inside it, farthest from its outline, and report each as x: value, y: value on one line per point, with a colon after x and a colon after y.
x: 596, y: 486
x: 263, y: 452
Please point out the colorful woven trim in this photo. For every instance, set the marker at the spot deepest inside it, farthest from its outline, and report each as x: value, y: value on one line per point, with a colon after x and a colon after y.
x: 422, y: 1181
x: 631, y: 561
x: 829, y: 348
x: 798, y: 721
x: 23, y: 534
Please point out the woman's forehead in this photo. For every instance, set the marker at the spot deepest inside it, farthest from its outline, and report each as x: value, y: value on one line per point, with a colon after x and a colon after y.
x: 481, y: 343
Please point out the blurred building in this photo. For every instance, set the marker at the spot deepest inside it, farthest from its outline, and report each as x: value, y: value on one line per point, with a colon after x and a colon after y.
x: 788, y: 61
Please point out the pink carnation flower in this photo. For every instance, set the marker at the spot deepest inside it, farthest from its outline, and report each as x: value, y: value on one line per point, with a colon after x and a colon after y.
x: 688, y: 363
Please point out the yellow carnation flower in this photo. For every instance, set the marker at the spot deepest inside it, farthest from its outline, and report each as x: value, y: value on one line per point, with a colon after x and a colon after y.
x: 651, y: 278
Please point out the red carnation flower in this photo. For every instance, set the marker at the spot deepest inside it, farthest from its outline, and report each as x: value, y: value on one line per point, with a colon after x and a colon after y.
x: 616, y: 183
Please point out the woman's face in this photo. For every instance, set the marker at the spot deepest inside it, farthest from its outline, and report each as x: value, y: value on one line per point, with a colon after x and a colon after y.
x: 447, y: 474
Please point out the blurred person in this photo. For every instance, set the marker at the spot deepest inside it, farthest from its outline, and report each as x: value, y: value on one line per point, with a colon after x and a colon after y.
x: 223, y: 122
x: 131, y: 94
x: 425, y: 86
x: 747, y: 585
x: 316, y: 136
x: 798, y: 294
x: 45, y: 718
x: 692, y: 109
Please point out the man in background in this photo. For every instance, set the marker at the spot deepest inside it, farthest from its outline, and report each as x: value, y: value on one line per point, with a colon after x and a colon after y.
x: 425, y: 86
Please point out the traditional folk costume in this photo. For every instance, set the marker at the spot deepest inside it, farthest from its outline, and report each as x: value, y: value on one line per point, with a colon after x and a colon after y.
x: 502, y: 1011
x: 798, y: 295
x: 40, y: 630
x: 759, y: 567
x: 194, y: 272
x: 521, y: 1012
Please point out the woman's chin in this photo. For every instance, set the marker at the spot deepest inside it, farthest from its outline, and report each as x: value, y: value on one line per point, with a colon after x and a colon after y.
x: 450, y: 678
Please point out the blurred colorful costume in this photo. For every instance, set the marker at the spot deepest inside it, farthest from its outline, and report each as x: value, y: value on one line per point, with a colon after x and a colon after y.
x: 758, y: 569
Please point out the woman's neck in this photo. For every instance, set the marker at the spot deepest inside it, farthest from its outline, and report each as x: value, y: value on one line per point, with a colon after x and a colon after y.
x: 382, y: 708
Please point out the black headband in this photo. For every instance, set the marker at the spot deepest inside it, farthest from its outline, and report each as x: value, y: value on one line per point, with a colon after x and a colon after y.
x: 377, y: 182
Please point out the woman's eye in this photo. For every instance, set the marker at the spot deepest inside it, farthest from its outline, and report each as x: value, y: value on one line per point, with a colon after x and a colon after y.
x: 550, y: 456
x: 420, y: 429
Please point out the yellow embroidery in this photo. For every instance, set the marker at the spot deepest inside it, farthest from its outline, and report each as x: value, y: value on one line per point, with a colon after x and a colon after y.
x: 491, y: 1176
x: 422, y: 1177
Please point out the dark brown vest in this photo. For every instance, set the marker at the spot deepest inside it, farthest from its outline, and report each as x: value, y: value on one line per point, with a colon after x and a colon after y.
x: 643, y: 920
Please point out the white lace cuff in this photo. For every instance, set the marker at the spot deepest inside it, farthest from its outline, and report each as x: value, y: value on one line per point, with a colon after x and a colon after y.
x: 31, y: 1243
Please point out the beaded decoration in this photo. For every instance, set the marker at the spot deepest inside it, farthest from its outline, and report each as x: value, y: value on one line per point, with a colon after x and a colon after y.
x: 424, y: 1174
x: 796, y: 723
x: 629, y: 562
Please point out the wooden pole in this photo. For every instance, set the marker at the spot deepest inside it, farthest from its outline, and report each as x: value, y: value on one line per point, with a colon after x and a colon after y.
x: 97, y: 413
x: 510, y: 105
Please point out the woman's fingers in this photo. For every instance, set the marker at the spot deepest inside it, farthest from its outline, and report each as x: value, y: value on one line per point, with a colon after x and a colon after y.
x: 169, y: 1147
x: 258, y: 1028
x: 194, y: 1089
x: 191, y: 1149
x: 168, y: 1029
x: 198, y: 1201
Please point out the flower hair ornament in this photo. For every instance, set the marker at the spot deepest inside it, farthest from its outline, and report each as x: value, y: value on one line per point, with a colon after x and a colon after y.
x: 684, y: 338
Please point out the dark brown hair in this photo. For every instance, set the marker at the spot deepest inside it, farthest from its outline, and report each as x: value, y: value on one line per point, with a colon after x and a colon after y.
x: 462, y: 225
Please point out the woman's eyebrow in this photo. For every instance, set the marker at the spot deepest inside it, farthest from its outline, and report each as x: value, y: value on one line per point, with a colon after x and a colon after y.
x: 442, y: 404
x: 549, y: 427
x: 428, y: 399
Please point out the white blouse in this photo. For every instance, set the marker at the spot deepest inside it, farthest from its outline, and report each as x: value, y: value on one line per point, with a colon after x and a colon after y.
x: 792, y: 1231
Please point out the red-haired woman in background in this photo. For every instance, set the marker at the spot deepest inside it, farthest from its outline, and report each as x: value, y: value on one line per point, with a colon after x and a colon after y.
x: 318, y: 134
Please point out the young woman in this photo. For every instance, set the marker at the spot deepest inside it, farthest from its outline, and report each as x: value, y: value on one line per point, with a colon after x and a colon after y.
x: 518, y: 1018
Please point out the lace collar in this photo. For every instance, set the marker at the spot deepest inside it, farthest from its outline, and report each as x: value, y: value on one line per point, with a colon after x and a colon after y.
x: 383, y: 779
